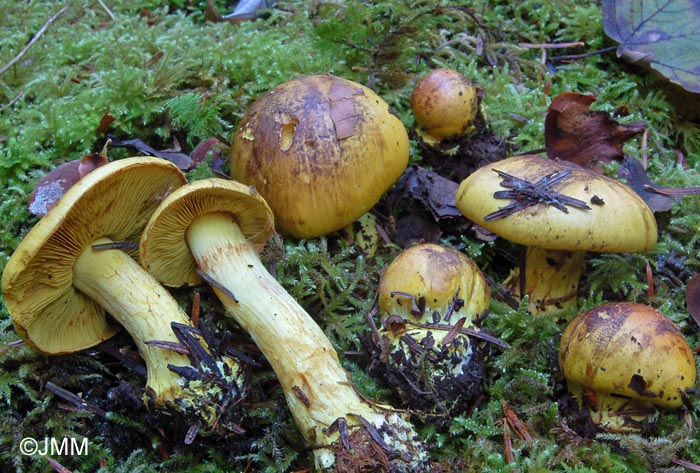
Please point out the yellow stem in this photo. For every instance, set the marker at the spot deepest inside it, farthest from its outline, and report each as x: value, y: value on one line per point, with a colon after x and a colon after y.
x: 551, y: 279
x: 316, y: 386
x: 141, y: 305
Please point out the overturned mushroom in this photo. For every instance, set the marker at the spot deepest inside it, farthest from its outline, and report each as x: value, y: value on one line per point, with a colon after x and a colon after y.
x: 559, y: 211
x: 75, y: 266
x: 321, y: 150
x: 622, y: 360
x: 429, y: 297
x: 211, y: 229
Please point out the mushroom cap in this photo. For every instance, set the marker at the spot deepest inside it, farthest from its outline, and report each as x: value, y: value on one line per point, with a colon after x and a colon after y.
x: 164, y: 250
x: 618, y: 219
x: 628, y: 349
x: 321, y: 150
x: 444, y: 104
x: 437, y: 275
x: 113, y: 201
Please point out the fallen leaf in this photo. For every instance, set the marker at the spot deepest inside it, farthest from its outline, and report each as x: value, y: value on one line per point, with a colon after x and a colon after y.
x: 105, y: 121
x: 245, y: 10
x: 661, y: 35
x: 633, y: 173
x: 56, y: 182
x: 436, y: 193
x: 588, y: 138
x: 180, y: 159
x: 200, y: 153
x: 692, y: 298
x: 52, y: 186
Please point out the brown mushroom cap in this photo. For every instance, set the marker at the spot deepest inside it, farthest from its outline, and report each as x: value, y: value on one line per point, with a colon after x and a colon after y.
x: 618, y: 219
x: 164, y: 249
x: 321, y: 150
x: 438, y: 275
x: 628, y: 349
x: 444, y: 104
x: 113, y: 201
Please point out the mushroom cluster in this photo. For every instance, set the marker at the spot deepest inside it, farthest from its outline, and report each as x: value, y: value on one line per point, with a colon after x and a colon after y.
x: 429, y: 297
x: 76, y: 265
x: 623, y: 360
x: 212, y: 230
x: 321, y: 150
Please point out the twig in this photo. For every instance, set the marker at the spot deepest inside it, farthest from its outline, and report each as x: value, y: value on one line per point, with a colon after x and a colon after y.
x: 575, y: 44
x: 109, y: 12
x: 34, y: 39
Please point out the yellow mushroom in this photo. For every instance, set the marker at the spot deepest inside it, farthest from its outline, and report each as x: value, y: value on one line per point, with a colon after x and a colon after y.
x: 428, y: 298
x: 211, y: 229
x: 608, y: 217
x: 445, y: 105
x: 67, y: 274
x: 632, y: 358
x: 321, y: 150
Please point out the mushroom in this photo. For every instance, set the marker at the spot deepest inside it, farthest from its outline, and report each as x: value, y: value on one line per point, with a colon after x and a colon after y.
x: 623, y: 359
x: 321, y: 150
x: 211, y: 229
x: 429, y: 297
x: 445, y: 105
x: 559, y: 211
x: 69, y: 271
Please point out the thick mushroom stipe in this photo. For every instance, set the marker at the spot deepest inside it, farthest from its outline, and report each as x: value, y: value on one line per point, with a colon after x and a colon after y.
x: 317, y: 389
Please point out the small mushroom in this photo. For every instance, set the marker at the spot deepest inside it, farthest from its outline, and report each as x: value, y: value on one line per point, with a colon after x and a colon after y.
x: 559, y: 211
x: 212, y: 229
x: 428, y: 298
x: 445, y: 105
x: 622, y: 360
x: 69, y: 272
x: 321, y: 150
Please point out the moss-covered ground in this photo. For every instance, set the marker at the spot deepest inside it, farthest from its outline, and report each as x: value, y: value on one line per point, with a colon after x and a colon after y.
x: 165, y: 73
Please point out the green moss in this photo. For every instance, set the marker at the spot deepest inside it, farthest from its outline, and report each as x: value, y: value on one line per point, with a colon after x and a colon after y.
x: 167, y: 73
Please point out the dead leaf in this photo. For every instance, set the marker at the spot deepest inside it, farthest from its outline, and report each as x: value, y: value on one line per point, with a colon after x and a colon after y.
x: 692, y: 298
x: 200, y: 153
x: 436, y: 193
x: 245, y: 10
x: 105, y: 121
x: 633, y: 173
x: 663, y: 36
x: 575, y: 133
x: 175, y: 156
x: 56, y: 182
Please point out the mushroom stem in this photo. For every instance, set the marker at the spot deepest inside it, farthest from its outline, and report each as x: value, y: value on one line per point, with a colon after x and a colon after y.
x: 146, y: 310
x: 551, y: 279
x: 317, y: 389
x: 614, y: 413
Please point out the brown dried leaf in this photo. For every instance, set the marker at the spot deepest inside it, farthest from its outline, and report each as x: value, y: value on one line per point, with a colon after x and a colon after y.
x: 633, y: 173
x: 575, y: 133
x: 175, y: 156
x: 436, y: 193
x: 692, y: 298
x: 56, y: 182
